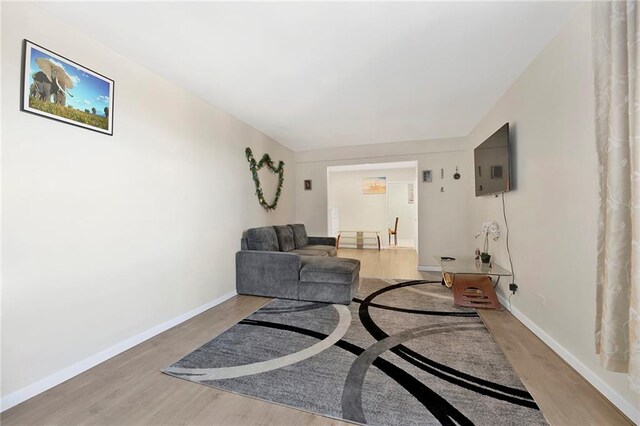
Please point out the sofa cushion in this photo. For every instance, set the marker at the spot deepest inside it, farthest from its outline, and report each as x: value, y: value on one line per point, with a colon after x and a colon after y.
x: 336, y: 270
x: 310, y: 252
x: 264, y: 238
x: 299, y: 235
x: 331, y: 250
x: 322, y: 241
x: 285, y: 237
x: 328, y: 292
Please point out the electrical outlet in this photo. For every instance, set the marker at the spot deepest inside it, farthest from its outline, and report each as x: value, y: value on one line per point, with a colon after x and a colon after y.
x: 542, y: 300
x: 513, y: 287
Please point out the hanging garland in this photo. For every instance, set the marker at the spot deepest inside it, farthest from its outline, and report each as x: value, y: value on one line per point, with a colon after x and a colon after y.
x: 254, y: 167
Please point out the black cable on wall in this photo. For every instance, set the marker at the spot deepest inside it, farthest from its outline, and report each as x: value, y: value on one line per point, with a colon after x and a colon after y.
x: 506, y: 225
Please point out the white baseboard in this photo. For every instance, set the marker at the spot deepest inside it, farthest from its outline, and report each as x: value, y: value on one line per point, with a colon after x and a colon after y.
x: 429, y: 268
x: 607, y: 391
x: 67, y: 373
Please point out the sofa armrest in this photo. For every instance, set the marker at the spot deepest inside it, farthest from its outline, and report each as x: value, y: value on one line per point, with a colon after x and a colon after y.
x: 322, y: 241
x: 268, y: 273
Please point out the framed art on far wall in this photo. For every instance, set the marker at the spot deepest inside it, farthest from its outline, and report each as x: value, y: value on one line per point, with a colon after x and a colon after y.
x: 374, y: 185
x: 58, y: 88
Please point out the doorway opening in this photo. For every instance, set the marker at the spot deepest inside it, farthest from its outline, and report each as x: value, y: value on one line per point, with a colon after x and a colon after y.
x: 368, y: 198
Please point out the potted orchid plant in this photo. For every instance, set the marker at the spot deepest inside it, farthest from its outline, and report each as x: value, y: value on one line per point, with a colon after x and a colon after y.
x: 488, y: 228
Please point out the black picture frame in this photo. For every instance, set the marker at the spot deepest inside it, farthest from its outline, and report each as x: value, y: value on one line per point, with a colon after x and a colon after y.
x: 55, y: 87
x: 307, y: 185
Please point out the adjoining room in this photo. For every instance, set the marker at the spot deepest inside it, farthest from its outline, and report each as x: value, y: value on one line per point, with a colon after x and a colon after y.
x: 373, y: 205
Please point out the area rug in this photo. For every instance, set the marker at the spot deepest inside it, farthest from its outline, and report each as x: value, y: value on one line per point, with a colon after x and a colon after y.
x: 400, y: 354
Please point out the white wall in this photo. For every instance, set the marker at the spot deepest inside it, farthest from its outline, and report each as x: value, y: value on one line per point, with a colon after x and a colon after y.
x: 365, y: 212
x: 552, y: 212
x: 443, y: 225
x: 106, y: 237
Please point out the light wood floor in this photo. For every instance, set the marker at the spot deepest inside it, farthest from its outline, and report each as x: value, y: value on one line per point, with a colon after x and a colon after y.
x: 129, y: 388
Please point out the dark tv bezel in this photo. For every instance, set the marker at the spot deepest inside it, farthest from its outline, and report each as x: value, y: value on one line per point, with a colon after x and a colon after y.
x: 475, y: 167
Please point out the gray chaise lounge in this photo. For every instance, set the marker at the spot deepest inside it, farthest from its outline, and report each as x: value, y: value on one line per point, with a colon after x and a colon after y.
x: 283, y: 262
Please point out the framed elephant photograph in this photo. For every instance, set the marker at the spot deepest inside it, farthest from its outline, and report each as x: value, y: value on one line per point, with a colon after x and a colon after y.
x: 58, y: 88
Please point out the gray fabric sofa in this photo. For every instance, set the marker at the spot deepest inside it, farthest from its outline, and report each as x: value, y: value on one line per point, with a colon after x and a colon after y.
x: 283, y: 262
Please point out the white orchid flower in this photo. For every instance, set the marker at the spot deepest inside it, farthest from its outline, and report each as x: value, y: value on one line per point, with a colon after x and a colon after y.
x: 489, y: 228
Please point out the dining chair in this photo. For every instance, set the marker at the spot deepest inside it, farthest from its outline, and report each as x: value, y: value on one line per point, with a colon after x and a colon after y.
x: 394, y: 232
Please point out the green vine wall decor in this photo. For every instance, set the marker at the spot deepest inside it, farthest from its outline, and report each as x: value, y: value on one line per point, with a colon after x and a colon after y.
x: 254, y: 167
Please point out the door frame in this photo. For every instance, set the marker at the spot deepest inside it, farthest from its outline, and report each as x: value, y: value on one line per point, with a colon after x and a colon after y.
x: 374, y: 163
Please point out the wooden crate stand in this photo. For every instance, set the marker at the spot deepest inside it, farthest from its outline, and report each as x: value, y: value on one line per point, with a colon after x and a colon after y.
x: 474, y: 291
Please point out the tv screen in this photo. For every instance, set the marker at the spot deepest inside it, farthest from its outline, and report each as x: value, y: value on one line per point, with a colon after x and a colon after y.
x: 492, y: 163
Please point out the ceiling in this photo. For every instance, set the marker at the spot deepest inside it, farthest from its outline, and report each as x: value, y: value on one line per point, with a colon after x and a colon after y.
x: 318, y: 75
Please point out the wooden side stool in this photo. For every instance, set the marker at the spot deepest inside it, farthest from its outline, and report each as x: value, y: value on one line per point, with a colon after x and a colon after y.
x: 474, y: 291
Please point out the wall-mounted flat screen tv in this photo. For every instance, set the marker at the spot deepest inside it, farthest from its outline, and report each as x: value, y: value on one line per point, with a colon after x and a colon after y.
x: 492, y: 163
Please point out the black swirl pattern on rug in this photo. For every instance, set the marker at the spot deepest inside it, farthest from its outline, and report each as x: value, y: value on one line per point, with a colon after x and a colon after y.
x: 420, y: 312
x: 248, y: 359
x: 437, y: 405
x: 491, y: 389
